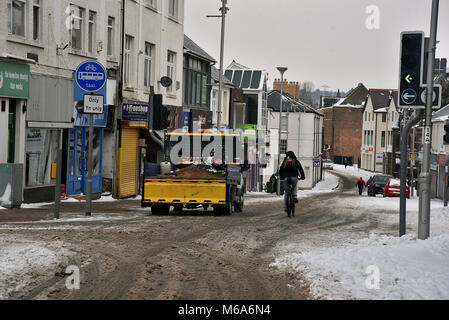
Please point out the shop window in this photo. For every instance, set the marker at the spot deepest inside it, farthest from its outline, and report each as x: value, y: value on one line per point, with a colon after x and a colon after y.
x: 41, y: 151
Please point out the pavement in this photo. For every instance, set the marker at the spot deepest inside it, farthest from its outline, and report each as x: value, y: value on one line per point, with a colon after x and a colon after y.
x: 45, y: 211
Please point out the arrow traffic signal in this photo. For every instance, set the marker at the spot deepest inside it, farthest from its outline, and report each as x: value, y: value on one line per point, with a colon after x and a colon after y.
x: 412, y: 47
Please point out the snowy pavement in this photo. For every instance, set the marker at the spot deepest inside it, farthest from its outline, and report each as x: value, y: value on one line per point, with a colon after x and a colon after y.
x: 380, y: 266
x: 25, y: 264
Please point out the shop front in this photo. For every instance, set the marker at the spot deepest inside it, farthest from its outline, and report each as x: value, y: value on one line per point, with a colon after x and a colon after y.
x: 14, y: 94
x: 134, y: 118
x: 77, y: 146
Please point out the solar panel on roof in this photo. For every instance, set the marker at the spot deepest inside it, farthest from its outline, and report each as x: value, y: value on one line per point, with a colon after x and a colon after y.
x: 237, y: 79
x: 246, y: 79
x: 228, y: 74
x: 255, y: 82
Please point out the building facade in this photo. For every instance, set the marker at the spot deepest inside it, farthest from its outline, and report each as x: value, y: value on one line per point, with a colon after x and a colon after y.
x: 342, y: 127
x: 380, y: 115
x: 301, y: 133
x: 53, y: 37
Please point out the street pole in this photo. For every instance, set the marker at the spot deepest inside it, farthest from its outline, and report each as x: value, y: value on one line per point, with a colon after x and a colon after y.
x: 445, y: 184
x: 58, y: 177
x: 281, y: 70
x: 424, y: 190
x: 412, y: 166
x: 89, y: 168
x: 223, y: 10
x: 403, y: 173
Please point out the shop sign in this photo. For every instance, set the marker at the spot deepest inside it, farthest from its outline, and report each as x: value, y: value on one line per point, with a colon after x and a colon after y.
x: 135, y: 112
x: 250, y: 131
x: 14, y: 80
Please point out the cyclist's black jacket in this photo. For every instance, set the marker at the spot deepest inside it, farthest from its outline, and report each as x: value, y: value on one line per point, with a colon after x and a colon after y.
x: 295, y: 171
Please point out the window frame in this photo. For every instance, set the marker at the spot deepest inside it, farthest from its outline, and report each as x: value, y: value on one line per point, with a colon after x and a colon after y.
x: 10, y: 18
x: 91, y: 41
x: 171, y: 66
x: 37, y: 5
x: 173, y: 8
x: 110, y: 30
x: 148, y: 69
x: 82, y: 27
x: 127, y: 60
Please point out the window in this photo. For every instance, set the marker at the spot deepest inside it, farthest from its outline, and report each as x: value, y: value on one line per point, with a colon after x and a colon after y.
x: 16, y: 17
x: 369, y: 116
x: 77, y: 30
x: 382, y: 141
x: 92, y: 19
x: 283, y: 147
x: 41, y: 148
x: 36, y: 19
x: 150, y: 2
x: 284, y: 123
x: 384, y: 117
x: 365, y: 115
x: 171, y: 69
x: 148, y: 65
x: 196, y: 76
x: 128, y: 62
x: 110, y: 48
x: 173, y: 8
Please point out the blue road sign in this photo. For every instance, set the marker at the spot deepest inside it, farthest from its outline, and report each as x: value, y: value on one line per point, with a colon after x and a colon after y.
x: 409, y: 96
x: 90, y: 76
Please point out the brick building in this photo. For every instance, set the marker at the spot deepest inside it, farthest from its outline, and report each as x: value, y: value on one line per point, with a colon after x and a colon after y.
x: 290, y: 87
x: 342, y: 126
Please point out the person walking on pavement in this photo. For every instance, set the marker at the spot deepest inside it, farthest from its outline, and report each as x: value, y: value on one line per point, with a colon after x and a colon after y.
x: 360, y: 184
x: 368, y: 184
x: 291, y: 170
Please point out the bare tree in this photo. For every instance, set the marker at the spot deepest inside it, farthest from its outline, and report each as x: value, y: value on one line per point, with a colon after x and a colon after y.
x: 306, y: 92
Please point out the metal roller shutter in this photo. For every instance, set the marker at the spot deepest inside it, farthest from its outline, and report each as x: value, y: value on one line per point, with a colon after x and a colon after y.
x: 128, y: 163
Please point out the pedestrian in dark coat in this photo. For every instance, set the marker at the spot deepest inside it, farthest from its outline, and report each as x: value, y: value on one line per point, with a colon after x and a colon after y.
x: 360, y: 184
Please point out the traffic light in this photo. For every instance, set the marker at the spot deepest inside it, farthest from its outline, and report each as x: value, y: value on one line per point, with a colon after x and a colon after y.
x: 158, y: 114
x: 412, y: 51
x: 446, y: 133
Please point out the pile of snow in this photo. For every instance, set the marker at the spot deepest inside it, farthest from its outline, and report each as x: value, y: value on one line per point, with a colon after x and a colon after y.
x: 354, y: 171
x: 5, y: 199
x: 328, y: 184
x: 408, y: 268
x: 24, y: 264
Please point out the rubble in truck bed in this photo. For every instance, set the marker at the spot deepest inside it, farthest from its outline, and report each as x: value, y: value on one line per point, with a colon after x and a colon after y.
x: 193, y: 172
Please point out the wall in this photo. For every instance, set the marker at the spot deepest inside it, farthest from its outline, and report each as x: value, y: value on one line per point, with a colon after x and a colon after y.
x: 343, y: 131
x: 153, y: 25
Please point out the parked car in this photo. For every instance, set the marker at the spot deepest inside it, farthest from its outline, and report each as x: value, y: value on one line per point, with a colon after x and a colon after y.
x: 378, y: 184
x: 393, y: 189
x: 328, y: 164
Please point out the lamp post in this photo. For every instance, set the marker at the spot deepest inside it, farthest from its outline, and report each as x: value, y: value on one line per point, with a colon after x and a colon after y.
x: 224, y: 9
x: 281, y: 70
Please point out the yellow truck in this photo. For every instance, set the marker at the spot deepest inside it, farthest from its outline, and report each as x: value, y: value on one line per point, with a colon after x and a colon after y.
x: 197, y: 184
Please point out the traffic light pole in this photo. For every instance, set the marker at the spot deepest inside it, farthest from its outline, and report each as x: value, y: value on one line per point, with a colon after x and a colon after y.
x: 403, y: 175
x: 424, y: 179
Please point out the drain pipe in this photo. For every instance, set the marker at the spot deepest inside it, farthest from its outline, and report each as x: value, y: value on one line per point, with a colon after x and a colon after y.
x: 404, y: 147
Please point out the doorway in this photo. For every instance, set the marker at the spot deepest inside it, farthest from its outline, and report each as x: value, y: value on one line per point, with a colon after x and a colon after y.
x: 77, y: 155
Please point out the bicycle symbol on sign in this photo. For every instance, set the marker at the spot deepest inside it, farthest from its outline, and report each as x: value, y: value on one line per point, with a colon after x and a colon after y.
x: 91, y: 67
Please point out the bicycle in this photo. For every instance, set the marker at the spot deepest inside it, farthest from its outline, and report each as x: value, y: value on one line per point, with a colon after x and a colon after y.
x: 290, y: 201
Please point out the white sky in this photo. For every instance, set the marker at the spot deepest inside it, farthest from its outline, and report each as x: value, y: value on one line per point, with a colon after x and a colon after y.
x: 324, y: 41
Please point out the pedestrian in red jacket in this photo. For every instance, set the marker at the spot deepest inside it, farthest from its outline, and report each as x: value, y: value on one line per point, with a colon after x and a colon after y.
x: 361, y: 184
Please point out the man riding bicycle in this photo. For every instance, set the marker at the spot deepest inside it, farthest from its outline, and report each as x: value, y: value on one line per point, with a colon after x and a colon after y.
x: 291, y: 171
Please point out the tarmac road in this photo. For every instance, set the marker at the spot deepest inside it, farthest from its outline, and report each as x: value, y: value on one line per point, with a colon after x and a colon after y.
x: 196, y: 256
